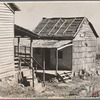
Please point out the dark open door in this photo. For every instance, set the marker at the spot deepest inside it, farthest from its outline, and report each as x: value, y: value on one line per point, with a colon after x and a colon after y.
x: 47, y: 59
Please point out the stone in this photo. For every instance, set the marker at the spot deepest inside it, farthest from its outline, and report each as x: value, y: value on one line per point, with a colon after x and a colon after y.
x: 62, y: 84
x: 83, y: 93
x: 68, y: 80
x: 49, y: 92
x: 39, y: 88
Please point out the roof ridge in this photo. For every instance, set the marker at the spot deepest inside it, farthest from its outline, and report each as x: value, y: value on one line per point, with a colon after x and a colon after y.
x: 62, y: 17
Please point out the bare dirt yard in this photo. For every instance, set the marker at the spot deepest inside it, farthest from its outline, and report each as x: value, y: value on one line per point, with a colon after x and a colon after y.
x: 76, y: 88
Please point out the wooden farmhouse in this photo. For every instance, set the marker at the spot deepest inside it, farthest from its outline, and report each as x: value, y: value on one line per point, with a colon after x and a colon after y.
x: 67, y: 44
x: 10, y: 61
x: 7, y: 12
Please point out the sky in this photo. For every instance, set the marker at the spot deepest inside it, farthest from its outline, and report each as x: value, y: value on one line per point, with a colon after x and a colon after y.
x: 32, y: 12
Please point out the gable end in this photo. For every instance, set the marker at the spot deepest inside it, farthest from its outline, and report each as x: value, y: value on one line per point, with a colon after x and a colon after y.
x: 85, y: 21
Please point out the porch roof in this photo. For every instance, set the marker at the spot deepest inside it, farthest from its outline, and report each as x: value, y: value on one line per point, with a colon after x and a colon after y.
x: 51, y: 43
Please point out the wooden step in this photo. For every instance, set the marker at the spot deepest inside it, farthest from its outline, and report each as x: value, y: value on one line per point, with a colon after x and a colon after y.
x: 16, y: 58
x: 16, y: 65
x: 16, y: 62
x: 64, y: 76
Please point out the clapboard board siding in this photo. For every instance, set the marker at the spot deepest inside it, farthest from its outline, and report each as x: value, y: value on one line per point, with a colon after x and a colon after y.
x: 5, y: 20
x: 9, y: 56
x: 6, y: 41
x: 84, y: 48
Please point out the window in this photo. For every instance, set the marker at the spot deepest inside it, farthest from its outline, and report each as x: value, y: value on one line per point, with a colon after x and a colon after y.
x: 60, y: 54
x: 82, y: 34
x: 38, y: 51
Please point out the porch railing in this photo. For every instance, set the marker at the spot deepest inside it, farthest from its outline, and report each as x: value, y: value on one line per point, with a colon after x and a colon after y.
x: 23, y: 56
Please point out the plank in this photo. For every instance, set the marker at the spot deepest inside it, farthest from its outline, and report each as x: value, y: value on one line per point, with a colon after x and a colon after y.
x: 6, y: 15
x: 3, y: 34
x: 6, y: 63
x: 6, y: 71
x: 4, y: 53
x: 4, y: 11
x: 7, y: 74
x: 5, y: 56
x: 2, y: 45
x: 6, y: 20
x: 6, y: 35
x: 7, y: 67
x: 6, y: 42
x: 6, y: 23
x: 6, y: 47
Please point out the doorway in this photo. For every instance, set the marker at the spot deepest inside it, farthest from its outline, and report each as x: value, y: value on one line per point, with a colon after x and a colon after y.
x: 47, y: 59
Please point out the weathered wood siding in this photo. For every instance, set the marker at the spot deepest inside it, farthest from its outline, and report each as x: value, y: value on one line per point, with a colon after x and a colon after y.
x: 84, y: 48
x: 6, y: 41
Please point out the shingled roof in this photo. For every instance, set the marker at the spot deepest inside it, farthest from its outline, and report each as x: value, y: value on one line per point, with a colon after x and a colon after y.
x: 64, y: 28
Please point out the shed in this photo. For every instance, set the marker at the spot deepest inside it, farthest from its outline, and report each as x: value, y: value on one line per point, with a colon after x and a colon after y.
x: 7, y: 11
x: 69, y: 43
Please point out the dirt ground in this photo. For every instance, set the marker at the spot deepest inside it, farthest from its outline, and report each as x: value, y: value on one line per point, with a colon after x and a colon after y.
x: 76, y: 88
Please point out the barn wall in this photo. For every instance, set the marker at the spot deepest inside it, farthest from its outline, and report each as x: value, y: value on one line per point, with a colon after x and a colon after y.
x: 84, y: 48
x: 6, y: 41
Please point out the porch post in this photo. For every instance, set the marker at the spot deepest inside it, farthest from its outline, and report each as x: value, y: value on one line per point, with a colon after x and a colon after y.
x: 25, y: 53
x: 31, y: 61
x: 56, y: 61
x: 44, y: 67
x: 18, y: 46
x: 19, y: 75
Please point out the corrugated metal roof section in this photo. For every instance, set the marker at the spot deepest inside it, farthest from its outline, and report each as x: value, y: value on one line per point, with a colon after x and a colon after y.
x: 50, y: 43
x: 58, y: 27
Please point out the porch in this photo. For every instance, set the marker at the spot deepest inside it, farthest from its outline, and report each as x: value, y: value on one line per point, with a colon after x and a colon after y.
x: 27, y: 60
x: 54, y: 55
